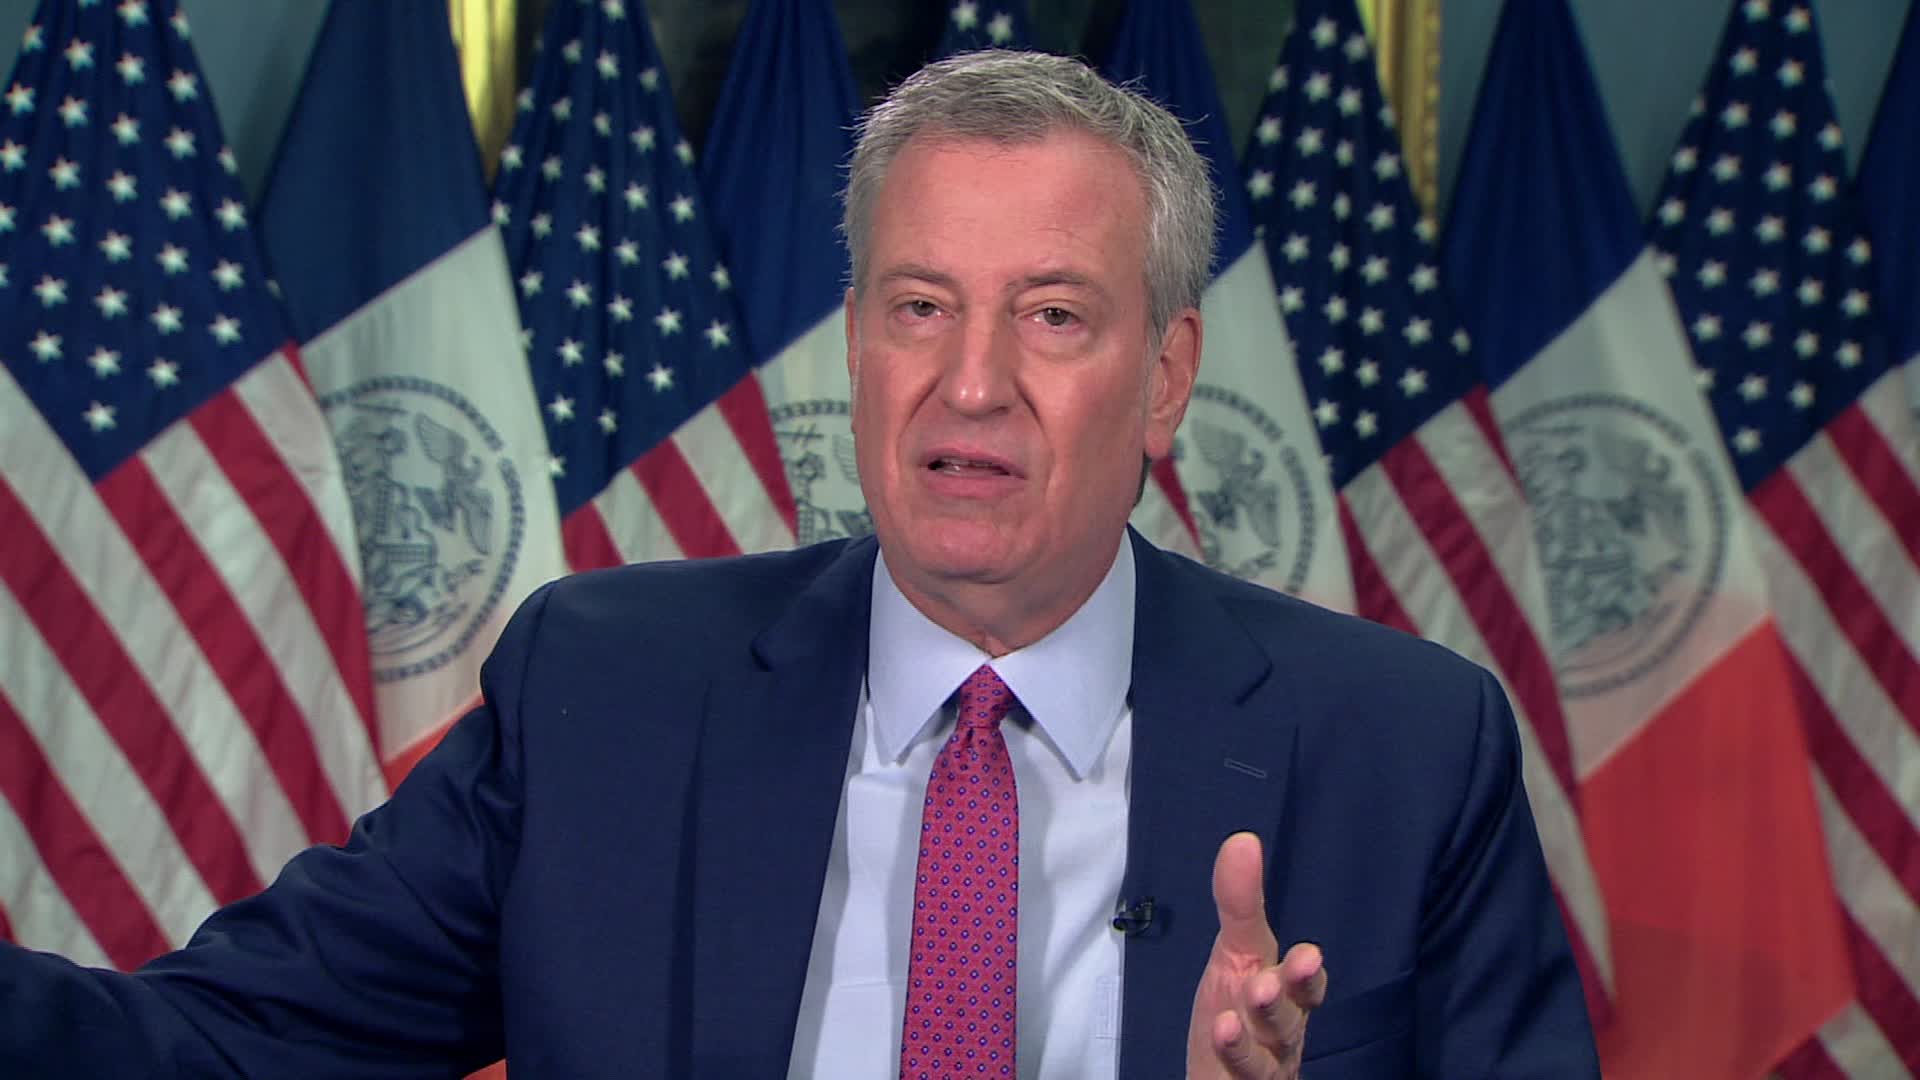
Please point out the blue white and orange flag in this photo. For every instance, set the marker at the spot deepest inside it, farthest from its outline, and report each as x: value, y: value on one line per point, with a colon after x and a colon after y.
x: 375, y: 224
x: 1681, y: 712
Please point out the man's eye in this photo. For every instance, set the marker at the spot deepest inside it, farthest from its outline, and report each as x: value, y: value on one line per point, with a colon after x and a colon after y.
x: 1056, y: 316
x: 922, y: 309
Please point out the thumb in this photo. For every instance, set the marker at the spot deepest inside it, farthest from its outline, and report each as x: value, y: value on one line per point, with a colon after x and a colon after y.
x: 1240, y: 896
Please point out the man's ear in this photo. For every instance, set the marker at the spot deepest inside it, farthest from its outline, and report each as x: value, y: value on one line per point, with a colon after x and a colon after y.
x: 853, y: 334
x: 848, y: 304
x: 1170, y: 382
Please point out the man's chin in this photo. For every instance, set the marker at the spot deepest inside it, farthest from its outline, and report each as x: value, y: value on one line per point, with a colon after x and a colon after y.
x: 961, y: 554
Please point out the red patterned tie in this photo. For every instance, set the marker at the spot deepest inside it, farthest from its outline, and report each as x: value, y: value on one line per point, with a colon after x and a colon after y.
x: 960, y: 973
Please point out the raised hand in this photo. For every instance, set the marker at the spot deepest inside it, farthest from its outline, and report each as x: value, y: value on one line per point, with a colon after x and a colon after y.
x: 1250, y: 1009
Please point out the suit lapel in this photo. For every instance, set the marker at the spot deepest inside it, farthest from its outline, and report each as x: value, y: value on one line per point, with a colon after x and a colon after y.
x: 772, y: 763
x: 1211, y: 751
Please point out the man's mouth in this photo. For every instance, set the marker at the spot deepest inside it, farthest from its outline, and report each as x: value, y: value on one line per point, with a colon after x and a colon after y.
x: 958, y: 466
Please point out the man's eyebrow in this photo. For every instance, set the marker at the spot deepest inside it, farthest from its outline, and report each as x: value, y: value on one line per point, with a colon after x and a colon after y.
x: 920, y: 272
x: 1044, y: 278
x: 915, y: 272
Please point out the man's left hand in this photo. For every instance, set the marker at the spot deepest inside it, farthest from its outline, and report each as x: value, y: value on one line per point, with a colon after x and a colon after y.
x: 1250, y: 1010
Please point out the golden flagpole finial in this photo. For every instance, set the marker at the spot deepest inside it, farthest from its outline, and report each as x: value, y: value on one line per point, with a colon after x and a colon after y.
x: 485, y: 33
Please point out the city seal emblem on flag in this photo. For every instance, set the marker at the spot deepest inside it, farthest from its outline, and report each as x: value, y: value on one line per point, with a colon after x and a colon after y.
x: 816, y: 446
x: 1630, y: 521
x: 1250, y: 498
x: 438, y: 513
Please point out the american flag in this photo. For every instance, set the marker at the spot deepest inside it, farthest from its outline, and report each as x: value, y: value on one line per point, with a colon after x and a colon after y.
x: 1437, y: 530
x: 185, y: 698
x: 1261, y: 501
x: 994, y: 24
x: 1773, y: 274
x: 659, y: 432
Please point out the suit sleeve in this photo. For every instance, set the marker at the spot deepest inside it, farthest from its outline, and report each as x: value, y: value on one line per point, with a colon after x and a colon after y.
x: 374, y: 959
x: 1498, y: 995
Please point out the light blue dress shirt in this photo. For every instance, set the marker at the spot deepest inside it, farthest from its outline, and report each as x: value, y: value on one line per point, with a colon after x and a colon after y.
x: 1071, y: 742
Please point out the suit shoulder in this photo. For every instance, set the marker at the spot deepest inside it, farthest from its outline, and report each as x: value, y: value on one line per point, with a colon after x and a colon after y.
x: 745, y: 590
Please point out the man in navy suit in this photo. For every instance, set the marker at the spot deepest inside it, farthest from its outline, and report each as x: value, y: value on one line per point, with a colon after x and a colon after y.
x: 682, y: 835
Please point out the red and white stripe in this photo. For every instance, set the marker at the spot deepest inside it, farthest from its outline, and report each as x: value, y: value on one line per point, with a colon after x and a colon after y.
x: 41, y: 912
x: 1442, y: 546
x: 716, y: 487
x: 184, y: 682
x: 1840, y: 538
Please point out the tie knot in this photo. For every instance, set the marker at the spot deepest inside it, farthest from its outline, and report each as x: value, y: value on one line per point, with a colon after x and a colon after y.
x: 984, y: 699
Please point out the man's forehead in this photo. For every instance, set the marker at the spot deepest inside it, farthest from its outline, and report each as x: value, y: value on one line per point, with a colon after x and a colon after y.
x: 1067, y: 180
x: 1063, y: 208
x: 936, y: 137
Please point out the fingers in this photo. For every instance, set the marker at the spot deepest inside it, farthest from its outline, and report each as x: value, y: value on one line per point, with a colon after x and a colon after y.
x: 1304, y: 973
x: 1275, y: 1002
x: 1265, y: 1035
x: 1261, y: 1035
x: 1241, y: 899
x: 1234, y: 1048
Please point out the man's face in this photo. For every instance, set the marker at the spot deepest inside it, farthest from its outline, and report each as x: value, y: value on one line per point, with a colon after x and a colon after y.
x: 1005, y: 384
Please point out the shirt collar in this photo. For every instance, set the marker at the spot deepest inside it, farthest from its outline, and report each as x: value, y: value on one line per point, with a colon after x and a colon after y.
x: 1073, y: 682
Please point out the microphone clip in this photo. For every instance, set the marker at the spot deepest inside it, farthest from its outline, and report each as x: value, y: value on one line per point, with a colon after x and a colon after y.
x: 1133, y: 917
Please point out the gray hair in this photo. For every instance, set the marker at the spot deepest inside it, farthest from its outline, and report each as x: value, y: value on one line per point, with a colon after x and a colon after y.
x: 1014, y: 97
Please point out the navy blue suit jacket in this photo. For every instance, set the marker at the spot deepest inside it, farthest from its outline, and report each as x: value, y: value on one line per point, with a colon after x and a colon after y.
x: 613, y: 866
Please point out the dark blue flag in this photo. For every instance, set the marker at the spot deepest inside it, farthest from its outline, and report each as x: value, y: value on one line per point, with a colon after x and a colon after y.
x: 1889, y: 176
x: 774, y: 166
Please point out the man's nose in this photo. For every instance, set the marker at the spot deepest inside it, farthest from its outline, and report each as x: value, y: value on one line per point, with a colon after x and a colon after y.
x: 978, y: 378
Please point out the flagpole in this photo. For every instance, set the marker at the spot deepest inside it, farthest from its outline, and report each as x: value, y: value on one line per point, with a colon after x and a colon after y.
x: 1406, y: 43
